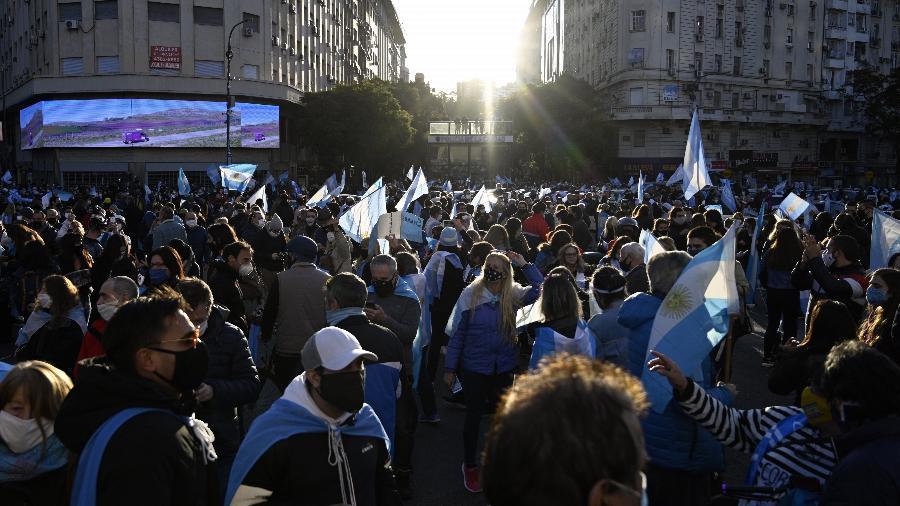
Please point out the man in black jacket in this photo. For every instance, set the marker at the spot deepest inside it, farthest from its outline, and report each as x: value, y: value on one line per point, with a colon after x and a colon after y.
x: 154, y: 360
x: 319, y: 443
x: 230, y: 382
x: 236, y: 261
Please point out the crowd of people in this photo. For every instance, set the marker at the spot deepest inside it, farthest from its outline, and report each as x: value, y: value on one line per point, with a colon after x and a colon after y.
x: 142, y: 331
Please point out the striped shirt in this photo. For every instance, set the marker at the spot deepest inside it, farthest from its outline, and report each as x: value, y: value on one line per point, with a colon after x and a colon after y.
x: 805, y: 453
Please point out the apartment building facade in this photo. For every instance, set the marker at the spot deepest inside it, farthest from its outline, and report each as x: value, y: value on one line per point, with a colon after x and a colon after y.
x: 174, y: 50
x: 769, y: 78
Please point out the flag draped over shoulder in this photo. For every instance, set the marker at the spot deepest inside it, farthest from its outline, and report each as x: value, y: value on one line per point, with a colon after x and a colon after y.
x: 694, y: 316
x: 885, y: 239
x: 696, y: 177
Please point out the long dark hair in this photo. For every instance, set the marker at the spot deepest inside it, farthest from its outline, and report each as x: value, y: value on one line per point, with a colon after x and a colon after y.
x: 829, y: 323
x: 785, y: 251
x: 880, y: 318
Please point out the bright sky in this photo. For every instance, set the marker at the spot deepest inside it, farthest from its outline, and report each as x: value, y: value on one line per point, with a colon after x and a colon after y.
x: 457, y: 40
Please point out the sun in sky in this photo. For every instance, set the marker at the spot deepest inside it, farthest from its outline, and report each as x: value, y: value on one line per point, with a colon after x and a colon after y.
x: 462, y: 39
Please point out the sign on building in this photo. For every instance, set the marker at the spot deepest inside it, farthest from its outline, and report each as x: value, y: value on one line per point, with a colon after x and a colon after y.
x: 165, y: 57
x: 670, y: 93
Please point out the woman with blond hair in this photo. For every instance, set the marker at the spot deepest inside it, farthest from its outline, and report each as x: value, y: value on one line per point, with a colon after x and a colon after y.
x: 483, y: 349
x: 498, y: 237
x: 32, y: 459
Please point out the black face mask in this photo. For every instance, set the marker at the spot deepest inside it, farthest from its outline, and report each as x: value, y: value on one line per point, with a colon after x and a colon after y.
x: 492, y: 275
x: 344, y: 390
x: 384, y: 288
x: 693, y: 251
x: 191, y: 367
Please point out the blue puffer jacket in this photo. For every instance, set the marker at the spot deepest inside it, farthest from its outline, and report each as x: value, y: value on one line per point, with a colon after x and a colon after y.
x: 673, y: 439
x: 477, y: 345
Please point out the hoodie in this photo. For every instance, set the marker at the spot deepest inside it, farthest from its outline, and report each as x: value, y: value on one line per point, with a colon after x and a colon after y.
x: 153, y: 458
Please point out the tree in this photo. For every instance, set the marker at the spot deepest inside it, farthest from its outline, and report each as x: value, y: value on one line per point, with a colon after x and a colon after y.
x: 560, y: 129
x: 882, y: 104
x: 362, y: 124
x: 417, y: 99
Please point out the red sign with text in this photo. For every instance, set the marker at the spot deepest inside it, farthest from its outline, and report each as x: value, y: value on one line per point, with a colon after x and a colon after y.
x: 165, y: 57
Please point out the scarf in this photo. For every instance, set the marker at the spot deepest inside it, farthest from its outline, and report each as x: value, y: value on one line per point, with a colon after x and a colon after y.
x: 338, y: 315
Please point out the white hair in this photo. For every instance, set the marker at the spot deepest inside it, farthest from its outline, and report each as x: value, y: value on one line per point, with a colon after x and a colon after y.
x: 664, y: 269
x: 632, y: 250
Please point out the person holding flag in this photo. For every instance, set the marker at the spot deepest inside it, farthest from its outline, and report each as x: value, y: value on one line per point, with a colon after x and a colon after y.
x: 832, y: 273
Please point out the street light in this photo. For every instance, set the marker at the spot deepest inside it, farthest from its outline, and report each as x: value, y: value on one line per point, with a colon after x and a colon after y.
x: 229, y: 54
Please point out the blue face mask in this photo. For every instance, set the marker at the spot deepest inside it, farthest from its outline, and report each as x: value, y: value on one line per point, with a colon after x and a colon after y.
x: 876, y: 296
x: 158, y: 276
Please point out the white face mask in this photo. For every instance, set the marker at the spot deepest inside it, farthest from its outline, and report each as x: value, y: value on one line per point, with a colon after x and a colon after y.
x: 827, y: 258
x: 330, y: 236
x: 44, y: 300
x: 108, y: 310
x: 22, y: 435
x: 203, y: 326
x: 191, y: 223
x: 246, y: 269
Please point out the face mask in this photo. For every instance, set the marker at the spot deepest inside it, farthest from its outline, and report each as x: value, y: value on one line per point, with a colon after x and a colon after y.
x: 827, y: 258
x: 693, y: 251
x: 203, y: 326
x: 107, y: 310
x: 491, y: 274
x: 191, y: 223
x: 330, y: 236
x: 383, y: 287
x: 876, y: 296
x: 344, y: 390
x: 21, y: 435
x: 158, y: 275
x: 190, y: 367
x: 680, y: 220
x: 310, y: 221
x: 44, y: 300
x: 274, y: 233
x: 245, y: 270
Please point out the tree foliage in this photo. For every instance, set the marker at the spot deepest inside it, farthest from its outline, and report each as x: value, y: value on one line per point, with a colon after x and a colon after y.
x: 882, y: 103
x: 560, y: 128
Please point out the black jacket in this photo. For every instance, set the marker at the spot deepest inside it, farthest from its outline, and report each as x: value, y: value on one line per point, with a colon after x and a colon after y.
x: 233, y: 377
x: 867, y: 473
x: 375, y: 338
x: 153, y: 458
x: 223, y: 281
x: 56, y: 343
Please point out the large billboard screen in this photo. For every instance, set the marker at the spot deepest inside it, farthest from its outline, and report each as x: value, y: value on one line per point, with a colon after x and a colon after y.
x: 153, y: 123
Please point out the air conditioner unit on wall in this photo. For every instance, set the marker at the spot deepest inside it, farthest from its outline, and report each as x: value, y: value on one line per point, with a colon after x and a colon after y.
x: 71, y: 24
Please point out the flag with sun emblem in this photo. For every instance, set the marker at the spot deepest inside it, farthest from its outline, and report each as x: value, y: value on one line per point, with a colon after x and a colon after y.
x: 793, y: 206
x: 885, y: 239
x: 694, y: 316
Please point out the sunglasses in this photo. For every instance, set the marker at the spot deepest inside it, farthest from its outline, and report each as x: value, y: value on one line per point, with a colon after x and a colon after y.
x: 193, y: 337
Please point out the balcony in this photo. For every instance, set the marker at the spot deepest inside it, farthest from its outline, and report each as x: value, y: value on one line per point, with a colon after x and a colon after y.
x: 835, y: 32
x: 490, y: 128
x: 831, y: 94
x: 863, y: 8
x: 834, y: 61
x: 838, y: 5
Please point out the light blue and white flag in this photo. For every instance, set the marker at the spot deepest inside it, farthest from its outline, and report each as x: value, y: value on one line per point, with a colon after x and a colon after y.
x: 417, y: 188
x: 67, y: 196
x: 694, y: 316
x: 411, y: 173
x: 147, y: 195
x: 676, y: 177
x: 7, y: 177
x: 237, y: 176
x: 616, y: 182
x: 630, y: 181
x: 640, y: 188
x: 320, y: 198
x: 283, y: 177
x: 482, y: 198
x: 93, y: 192
x: 651, y: 245
x: 364, y: 183
x: 337, y: 190
x: 269, y: 181
x: 360, y: 219
x: 45, y: 200
x: 793, y: 206
x: 753, y: 268
x: 543, y: 193
x: 331, y: 183
x: 296, y: 188
x: 714, y: 207
x: 184, y: 186
x: 696, y: 177
x: 779, y: 188
x: 259, y: 194
x: 660, y: 178
x: 728, y: 196
x: 213, y: 174
x: 885, y: 239
x: 375, y: 186
x: 448, y: 187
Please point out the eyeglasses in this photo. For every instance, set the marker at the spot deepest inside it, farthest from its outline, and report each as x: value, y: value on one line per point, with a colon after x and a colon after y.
x: 193, y: 337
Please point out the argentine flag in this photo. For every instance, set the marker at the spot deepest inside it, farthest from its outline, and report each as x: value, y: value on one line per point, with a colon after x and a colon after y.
x: 651, y: 245
x: 260, y: 194
x: 331, y: 183
x: 184, y: 187
x: 696, y: 177
x: 885, y: 239
x: 237, y: 176
x: 779, y: 188
x: 753, y: 268
x: 482, y: 198
x: 213, y: 175
x: 728, y: 196
x: 417, y: 188
x: 676, y: 177
x: 359, y: 220
x: 694, y: 316
x: 320, y: 198
x: 793, y: 206
x: 640, y: 188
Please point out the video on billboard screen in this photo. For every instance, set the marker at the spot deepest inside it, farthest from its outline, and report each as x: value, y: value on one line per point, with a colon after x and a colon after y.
x: 151, y: 123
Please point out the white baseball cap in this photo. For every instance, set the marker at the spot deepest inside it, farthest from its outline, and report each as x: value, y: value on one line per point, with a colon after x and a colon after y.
x: 333, y: 349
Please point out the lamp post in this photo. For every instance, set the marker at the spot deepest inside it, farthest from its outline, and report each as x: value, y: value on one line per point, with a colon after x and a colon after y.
x: 229, y: 54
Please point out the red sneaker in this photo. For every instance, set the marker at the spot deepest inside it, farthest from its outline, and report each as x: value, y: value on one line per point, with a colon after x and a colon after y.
x: 472, y: 478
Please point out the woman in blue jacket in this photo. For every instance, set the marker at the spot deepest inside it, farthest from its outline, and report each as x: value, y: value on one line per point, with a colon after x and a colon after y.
x: 782, y: 297
x: 483, y: 348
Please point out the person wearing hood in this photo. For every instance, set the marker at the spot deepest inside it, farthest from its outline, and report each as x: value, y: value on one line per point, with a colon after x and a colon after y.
x: 223, y: 279
x: 319, y: 443
x: 128, y: 417
x: 269, y: 245
x: 296, y: 307
x: 114, y: 293
x: 231, y: 380
x: 32, y: 459
x: 54, y: 330
x: 683, y: 456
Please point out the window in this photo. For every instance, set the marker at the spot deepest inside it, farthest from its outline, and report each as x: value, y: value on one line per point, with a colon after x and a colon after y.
x: 640, y: 138
x: 250, y: 71
x: 719, y: 28
x: 737, y: 66
x: 107, y: 64
x: 167, y: 13
x: 72, y: 66
x: 717, y: 99
x: 208, y: 16
x: 789, y: 38
x: 70, y: 11
x: 720, y: 10
x: 718, y: 64
x: 636, y: 96
x: 700, y: 25
x: 767, y: 35
x: 765, y: 68
x: 735, y: 100
x: 251, y: 21
x: 861, y: 23
x: 789, y: 70
x: 209, y: 68
x: 810, y: 73
x: 790, y: 9
x: 106, y: 9
x: 698, y: 61
x: 670, y: 59
x: 637, y: 21
x: 670, y: 22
